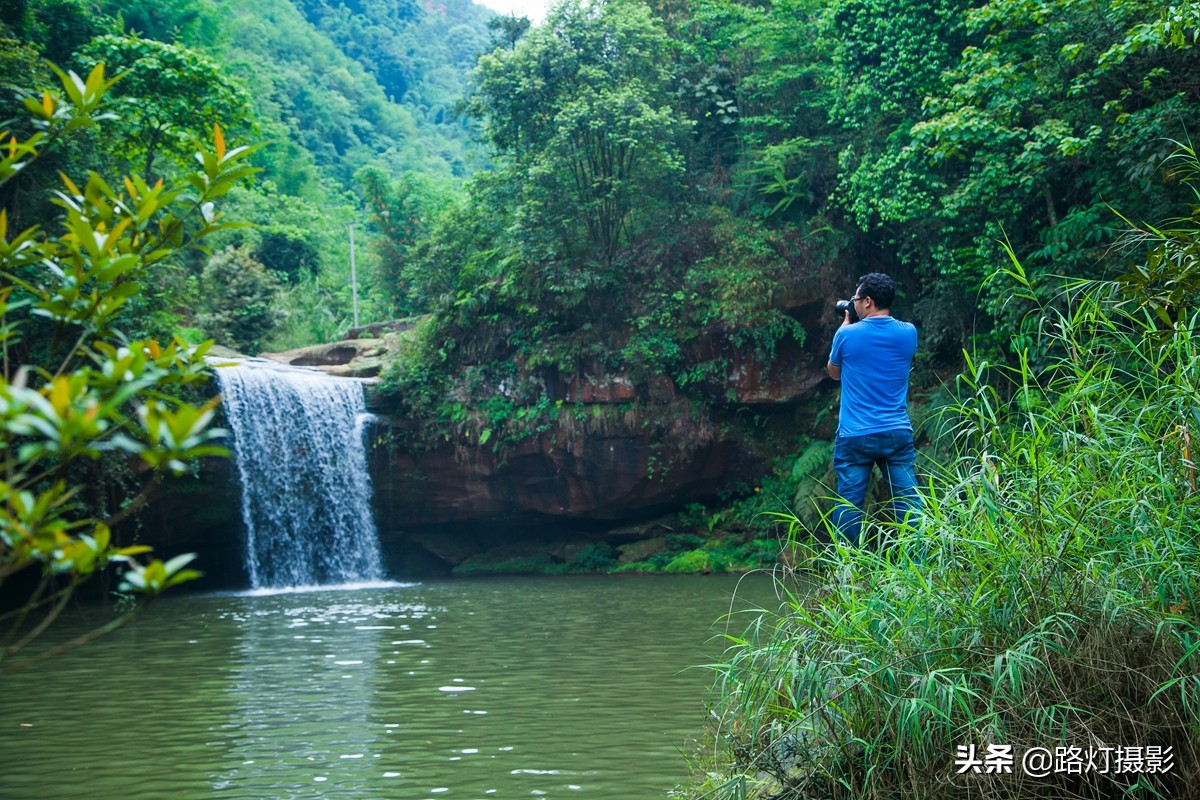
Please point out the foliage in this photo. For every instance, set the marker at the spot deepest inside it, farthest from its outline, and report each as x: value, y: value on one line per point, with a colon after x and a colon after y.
x: 347, y: 90
x: 1048, y: 598
x: 305, y: 243
x: 85, y: 391
x: 531, y: 565
x: 55, y: 28
x: 288, y: 251
x: 580, y: 110
x: 239, y: 305
x: 400, y: 211
x: 334, y: 88
x: 311, y: 312
x: 797, y: 143
x: 692, y: 562
x: 167, y: 95
x: 888, y: 56
x: 598, y: 557
x: 457, y: 256
x: 1166, y: 281
x: 736, y: 286
x: 174, y: 22
x: 418, y: 56
x: 1059, y: 111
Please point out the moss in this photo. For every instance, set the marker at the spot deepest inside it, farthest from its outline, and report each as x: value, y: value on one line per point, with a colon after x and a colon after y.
x: 693, y: 562
x: 638, y: 567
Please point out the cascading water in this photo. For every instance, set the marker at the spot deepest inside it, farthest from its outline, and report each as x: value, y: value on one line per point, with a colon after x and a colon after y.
x: 298, y: 441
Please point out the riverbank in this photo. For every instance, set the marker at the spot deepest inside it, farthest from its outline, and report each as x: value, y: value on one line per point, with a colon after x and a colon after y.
x: 1046, y: 603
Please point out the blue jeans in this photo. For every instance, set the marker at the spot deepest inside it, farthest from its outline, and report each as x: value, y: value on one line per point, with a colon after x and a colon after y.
x: 853, y: 458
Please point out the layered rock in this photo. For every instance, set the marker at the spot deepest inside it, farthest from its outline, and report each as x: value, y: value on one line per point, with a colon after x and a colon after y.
x: 653, y: 452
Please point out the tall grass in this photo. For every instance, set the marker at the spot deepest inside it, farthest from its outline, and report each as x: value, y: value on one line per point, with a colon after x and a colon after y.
x: 1047, y: 598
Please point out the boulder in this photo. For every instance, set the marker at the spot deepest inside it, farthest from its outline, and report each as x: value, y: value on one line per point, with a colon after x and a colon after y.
x: 349, y: 358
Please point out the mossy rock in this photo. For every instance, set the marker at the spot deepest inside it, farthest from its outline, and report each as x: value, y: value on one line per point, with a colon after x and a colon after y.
x: 594, y: 557
x: 534, y: 565
x: 636, y: 552
x: 693, y: 562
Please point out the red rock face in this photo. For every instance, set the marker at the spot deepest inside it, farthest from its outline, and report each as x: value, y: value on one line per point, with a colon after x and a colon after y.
x: 456, y: 503
x: 601, y: 389
x: 787, y: 380
x: 609, y: 478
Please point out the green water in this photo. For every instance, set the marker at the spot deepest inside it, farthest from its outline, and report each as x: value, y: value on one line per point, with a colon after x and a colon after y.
x: 490, y: 688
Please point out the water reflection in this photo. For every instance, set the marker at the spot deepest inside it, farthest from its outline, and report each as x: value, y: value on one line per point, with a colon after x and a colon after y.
x: 304, y: 686
x: 462, y: 689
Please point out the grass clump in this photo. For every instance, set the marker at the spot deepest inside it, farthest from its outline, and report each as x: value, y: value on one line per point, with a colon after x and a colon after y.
x: 1048, y: 597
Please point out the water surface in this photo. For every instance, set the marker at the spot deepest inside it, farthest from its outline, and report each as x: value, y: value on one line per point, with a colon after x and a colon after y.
x: 514, y: 687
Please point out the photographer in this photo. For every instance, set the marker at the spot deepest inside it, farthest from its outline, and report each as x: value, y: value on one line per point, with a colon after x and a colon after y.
x: 872, y: 355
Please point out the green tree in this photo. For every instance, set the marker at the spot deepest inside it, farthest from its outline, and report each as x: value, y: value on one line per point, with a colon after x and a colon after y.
x: 88, y: 392
x: 506, y: 31
x: 760, y: 88
x: 56, y: 28
x: 288, y: 251
x: 240, y: 300
x: 396, y: 214
x: 581, y: 111
x: 459, y: 253
x: 177, y: 21
x: 1057, y: 112
x: 167, y: 96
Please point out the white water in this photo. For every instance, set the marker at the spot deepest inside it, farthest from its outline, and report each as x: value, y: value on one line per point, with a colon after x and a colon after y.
x: 306, y: 494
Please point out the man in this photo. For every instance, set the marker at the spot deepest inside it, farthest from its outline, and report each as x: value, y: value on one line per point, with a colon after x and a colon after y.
x: 872, y: 358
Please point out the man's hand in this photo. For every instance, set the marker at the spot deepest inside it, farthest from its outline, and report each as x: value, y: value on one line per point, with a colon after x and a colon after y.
x: 845, y: 320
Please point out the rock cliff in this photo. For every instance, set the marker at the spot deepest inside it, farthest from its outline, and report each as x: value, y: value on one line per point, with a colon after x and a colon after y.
x: 620, y: 453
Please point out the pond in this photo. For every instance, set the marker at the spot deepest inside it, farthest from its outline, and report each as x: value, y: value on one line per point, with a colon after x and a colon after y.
x: 505, y: 687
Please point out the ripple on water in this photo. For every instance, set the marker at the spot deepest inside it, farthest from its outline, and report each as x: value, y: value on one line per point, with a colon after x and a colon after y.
x: 331, y: 587
x: 534, y: 686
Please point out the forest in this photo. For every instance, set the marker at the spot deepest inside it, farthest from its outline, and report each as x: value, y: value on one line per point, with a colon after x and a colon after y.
x: 667, y: 191
x: 640, y: 188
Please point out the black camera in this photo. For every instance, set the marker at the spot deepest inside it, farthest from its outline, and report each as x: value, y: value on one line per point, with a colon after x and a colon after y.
x: 847, y: 305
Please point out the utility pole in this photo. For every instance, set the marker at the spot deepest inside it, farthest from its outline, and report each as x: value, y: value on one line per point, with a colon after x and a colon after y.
x: 353, y: 276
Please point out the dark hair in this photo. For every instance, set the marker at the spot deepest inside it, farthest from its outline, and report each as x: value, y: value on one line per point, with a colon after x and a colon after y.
x: 878, y: 287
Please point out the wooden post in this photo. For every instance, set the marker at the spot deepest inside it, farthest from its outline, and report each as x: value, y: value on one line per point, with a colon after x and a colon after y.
x: 353, y: 276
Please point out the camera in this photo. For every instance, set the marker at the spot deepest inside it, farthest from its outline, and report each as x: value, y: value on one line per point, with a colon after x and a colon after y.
x: 847, y: 305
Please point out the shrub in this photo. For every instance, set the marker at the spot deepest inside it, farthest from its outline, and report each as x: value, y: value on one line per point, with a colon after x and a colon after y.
x: 288, y: 251
x: 240, y: 305
x: 598, y: 557
x: 693, y: 562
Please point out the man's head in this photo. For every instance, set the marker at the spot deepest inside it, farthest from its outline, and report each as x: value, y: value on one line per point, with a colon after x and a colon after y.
x: 879, y: 287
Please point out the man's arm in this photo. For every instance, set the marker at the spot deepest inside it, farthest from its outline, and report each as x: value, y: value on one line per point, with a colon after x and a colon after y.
x: 835, y: 370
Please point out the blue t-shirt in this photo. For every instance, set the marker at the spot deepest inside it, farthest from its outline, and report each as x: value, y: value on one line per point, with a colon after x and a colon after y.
x: 875, y: 355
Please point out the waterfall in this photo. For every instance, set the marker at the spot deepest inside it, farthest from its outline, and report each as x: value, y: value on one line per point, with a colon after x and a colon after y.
x: 306, y: 495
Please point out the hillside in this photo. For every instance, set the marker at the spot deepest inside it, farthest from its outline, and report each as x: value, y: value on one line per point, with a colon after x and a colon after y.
x: 334, y: 88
